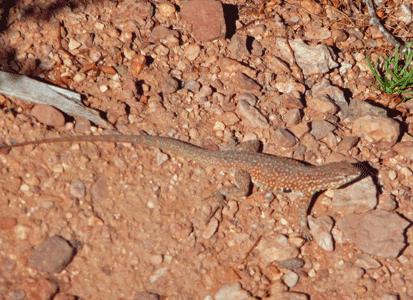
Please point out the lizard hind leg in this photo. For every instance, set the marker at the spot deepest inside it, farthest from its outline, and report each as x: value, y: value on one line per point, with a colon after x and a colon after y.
x: 242, y: 187
x: 302, y: 216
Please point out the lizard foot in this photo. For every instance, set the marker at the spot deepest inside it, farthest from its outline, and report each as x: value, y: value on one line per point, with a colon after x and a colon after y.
x: 305, y: 234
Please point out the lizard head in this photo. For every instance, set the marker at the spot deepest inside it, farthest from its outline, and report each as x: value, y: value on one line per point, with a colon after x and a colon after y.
x: 338, y: 174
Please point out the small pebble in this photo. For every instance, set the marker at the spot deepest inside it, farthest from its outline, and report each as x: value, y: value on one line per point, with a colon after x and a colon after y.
x: 41, y: 288
x: 210, y: 229
x: 170, y: 85
x: 192, y: 85
x: 157, y: 259
x: 137, y: 64
x: 103, y: 88
x: 73, y: 44
x: 292, y: 264
x: 205, y: 91
x: 48, y: 115
x: 162, y: 50
x: 192, y: 51
x: 167, y: 9
x: 290, y: 278
x: 99, y: 189
x: 232, y: 291
x: 52, y: 255
x: 79, y: 77
x: 78, y: 188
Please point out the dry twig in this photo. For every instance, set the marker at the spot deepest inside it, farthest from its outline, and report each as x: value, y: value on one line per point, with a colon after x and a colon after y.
x: 374, y: 20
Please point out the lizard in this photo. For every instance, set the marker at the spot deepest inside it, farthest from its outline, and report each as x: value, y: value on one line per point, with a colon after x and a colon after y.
x: 269, y: 172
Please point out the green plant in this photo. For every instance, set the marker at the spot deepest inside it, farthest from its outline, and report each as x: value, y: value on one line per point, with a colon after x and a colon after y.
x: 396, y: 78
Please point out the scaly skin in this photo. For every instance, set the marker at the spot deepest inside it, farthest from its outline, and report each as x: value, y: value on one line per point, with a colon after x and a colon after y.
x: 270, y: 172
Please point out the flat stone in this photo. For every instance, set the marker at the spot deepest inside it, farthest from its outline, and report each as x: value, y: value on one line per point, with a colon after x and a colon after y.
x: 387, y: 202
x: 162, y: 33
x: 48, y: 115
x: 335, y: 95
x: 359, y: 108
x: 257, y: 48
x: 322, y: 104
x: 347, y: 143
x: 276, y: 64
x: 99, y: 189
x: 290, y: 278
x: 276, y: 248
x: 170, y: 85
x: 167, y: 9
x: 320, y: 128
x: 238, y: 46
x: 357, y: 197
x: 376, y: 232
x: 232, y: 291
x: 41, y: 289
x: 313, y: 59
x: 292, y: 264
x: 284, y: 138
x: 253, y: 115
x: 210, y: 229
x: 290, y: 102
x: 381, y: 131
x: 317, y: 33
x: 244, y: 82
x: 366, y: 261
x: 77, y: 188
x: 192, y: 51
x: 404, y: 149
x: 321, y: 231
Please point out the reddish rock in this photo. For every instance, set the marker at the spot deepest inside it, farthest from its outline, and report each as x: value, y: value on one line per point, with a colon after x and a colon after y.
x: 48, y: 115
x: 381, y: 131
x: 290, y: 102
x: 312, y: 6
x: 43, y: 289
x: 357, y: 197
x: 320, y: 128
x: 238, y: 46
x: 404, y: 149
x: 253, y: 115
x: 205, y: 19
x: 7, y: 223
x: 244, y: 82
x: 284, y: 138
x: 134, y: 9
x: 161, y: 33
x: 100, y: 189
x: 169, y: 85
x: 376, y: 232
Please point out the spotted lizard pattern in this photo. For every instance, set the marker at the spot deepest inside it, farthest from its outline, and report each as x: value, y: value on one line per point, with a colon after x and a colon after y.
x: 269, y: 172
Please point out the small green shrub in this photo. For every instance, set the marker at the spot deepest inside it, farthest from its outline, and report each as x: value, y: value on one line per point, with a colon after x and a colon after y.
x: 394, y: 77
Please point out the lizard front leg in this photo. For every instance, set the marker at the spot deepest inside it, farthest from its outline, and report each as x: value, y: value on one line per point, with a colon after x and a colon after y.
x: 304, y: 206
